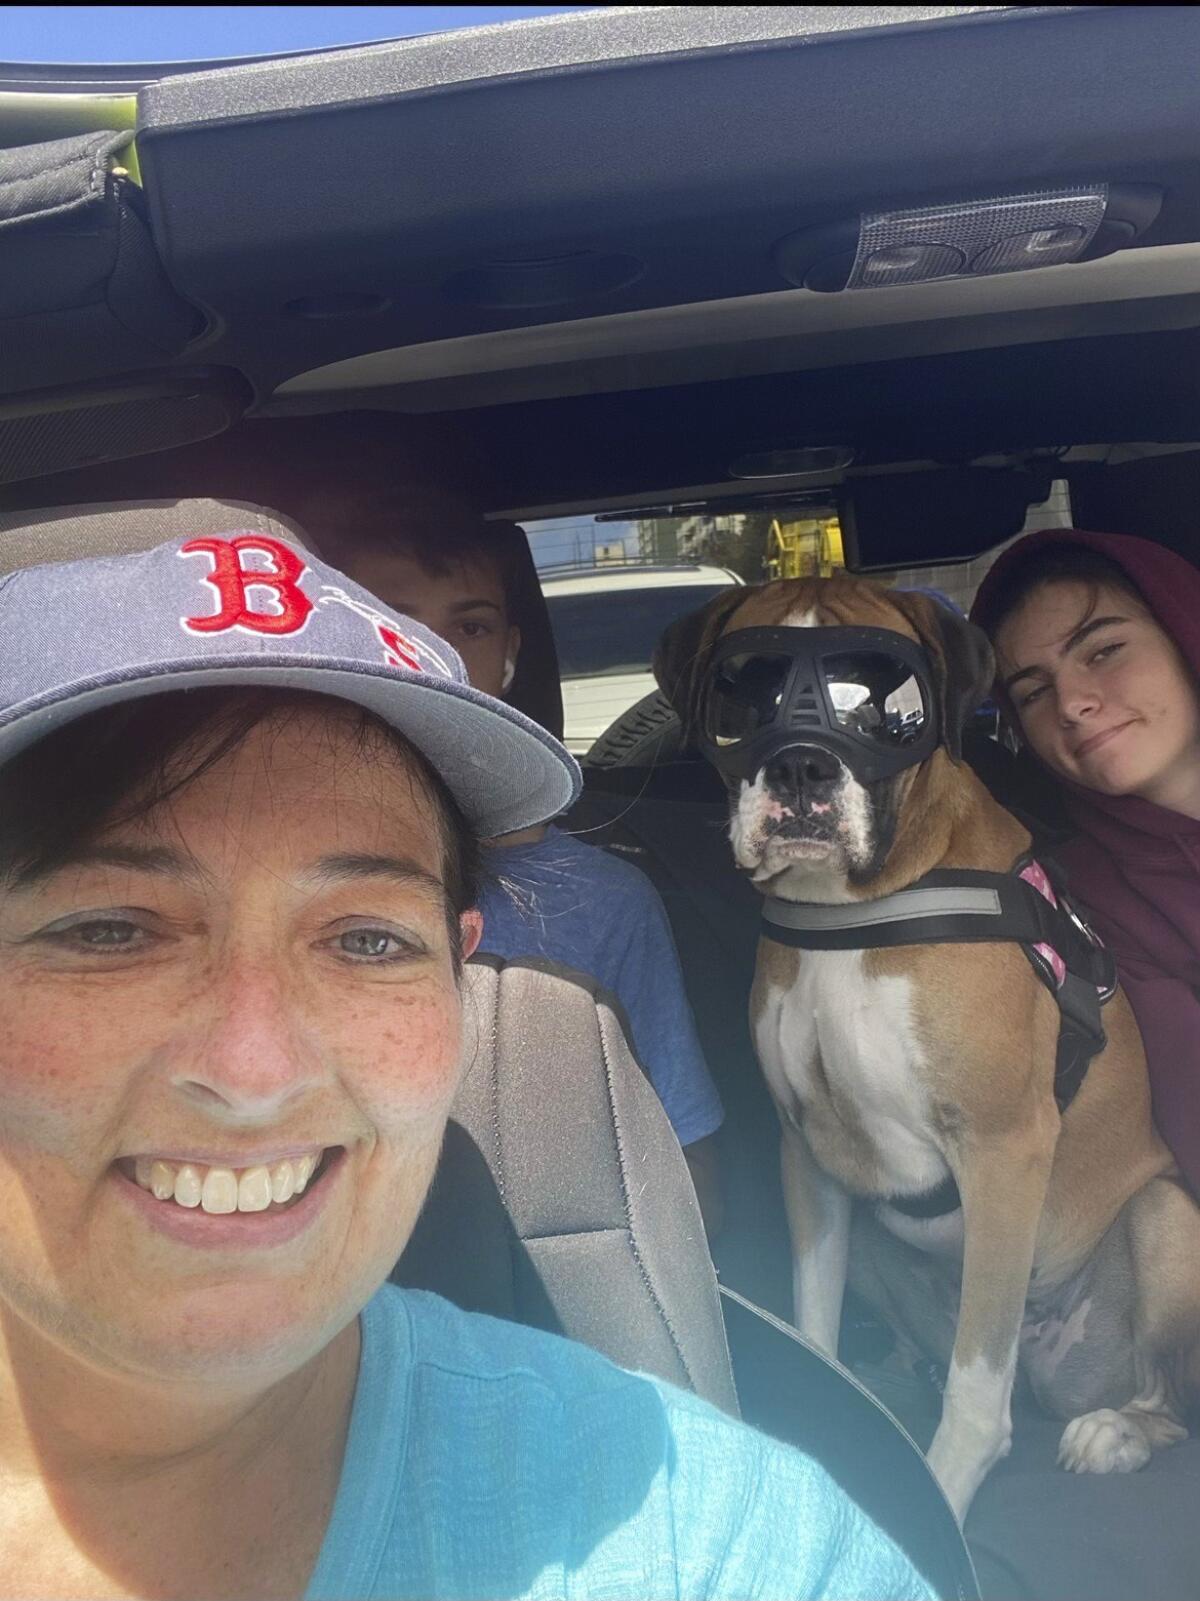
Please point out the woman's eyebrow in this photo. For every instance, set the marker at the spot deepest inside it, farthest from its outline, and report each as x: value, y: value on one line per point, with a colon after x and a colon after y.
x: 364, y: 864
x: 1081, y: 633
x: 159, y: 859
x: 475, y: 605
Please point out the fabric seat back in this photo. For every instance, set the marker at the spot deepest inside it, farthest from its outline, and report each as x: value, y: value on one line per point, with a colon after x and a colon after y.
x: 592, y: 1225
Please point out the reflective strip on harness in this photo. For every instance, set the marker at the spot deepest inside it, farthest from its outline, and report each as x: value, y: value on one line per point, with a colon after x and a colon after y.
x: 898, y: 908
x: 951, y: 907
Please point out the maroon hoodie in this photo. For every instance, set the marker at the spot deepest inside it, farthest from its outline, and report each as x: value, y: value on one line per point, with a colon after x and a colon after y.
x: 1136, y: 866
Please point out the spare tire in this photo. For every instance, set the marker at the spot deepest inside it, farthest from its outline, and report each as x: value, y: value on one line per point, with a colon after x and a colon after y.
x: 645, y: 735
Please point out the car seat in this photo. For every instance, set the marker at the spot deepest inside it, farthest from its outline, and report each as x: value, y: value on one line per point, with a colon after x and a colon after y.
x: 604, y: 1236
x: 564, y: 1201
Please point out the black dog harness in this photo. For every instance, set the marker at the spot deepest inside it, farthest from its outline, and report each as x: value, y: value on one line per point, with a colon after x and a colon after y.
x: 1022, y: 907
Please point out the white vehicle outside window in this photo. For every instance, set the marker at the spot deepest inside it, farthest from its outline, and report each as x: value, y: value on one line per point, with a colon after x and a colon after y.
x: 606, y: 623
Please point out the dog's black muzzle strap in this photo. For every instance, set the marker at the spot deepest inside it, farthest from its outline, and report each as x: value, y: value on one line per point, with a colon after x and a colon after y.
x: 948, y: 907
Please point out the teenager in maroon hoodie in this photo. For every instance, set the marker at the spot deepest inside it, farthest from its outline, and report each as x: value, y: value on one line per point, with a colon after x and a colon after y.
x: 1097, y: 642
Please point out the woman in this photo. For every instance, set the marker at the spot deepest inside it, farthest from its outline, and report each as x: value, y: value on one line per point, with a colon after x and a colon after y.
x: 239, y: 807
x: 1097, y: 641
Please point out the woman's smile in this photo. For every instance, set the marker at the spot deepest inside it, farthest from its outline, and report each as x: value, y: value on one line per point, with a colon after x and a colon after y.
x: 220, y: 1185
x: 222, y: 1208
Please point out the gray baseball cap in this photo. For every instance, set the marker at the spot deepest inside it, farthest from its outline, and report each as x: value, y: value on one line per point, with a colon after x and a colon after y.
x: 245, y: 603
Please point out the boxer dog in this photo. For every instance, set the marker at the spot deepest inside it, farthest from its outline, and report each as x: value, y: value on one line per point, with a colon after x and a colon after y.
x: 834, y: 710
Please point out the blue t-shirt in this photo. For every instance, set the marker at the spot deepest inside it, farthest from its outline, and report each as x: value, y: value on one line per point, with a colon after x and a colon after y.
x: 575, y: 904
x: 493, y: 1461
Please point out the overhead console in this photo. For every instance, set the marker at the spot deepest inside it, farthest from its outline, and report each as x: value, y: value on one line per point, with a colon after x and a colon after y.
x: 601, y: 163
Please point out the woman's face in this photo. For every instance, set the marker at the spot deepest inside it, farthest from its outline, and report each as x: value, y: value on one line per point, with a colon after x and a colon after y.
x: 1102, y: 693
x: 254, y: 978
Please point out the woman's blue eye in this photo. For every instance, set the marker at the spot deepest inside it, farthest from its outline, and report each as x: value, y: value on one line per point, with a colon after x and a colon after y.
x: 1034, y: 694
x: 102, y: 934
x: 370, y: 943
x: 1106, y: 651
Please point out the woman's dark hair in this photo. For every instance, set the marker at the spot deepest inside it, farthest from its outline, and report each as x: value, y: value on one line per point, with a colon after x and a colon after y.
x: 1051, y: 564
x: 116, y: 765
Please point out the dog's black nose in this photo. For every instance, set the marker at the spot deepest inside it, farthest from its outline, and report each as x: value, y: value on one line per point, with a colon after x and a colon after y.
x: 802, y: 767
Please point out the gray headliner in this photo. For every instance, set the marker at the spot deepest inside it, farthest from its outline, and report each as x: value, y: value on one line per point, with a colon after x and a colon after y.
x: 604, y: 37
x: 788, y: 331
x: 348, y: 170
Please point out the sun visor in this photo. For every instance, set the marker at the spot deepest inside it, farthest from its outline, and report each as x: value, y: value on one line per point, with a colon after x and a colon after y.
x: 82, y: 292
x: 916, y: 518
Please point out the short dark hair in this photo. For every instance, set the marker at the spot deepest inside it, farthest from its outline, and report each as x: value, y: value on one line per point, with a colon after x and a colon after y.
x: 117, y: 764
x: 376, y: 508
x: 438, y: 531
x: 1053, y: 564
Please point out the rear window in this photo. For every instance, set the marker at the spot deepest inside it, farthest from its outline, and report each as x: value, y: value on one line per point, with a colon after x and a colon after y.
x: 616, y: 630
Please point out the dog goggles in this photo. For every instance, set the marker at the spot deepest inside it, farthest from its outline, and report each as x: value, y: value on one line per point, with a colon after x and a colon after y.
x: 864, y: 694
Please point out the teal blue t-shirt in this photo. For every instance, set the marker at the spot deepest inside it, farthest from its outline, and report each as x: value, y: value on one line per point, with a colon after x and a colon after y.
x: 487, y: 1460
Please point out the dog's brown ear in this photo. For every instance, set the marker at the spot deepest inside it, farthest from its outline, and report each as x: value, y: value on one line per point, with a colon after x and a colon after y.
x: 682, y: 653
x: 963, y: 663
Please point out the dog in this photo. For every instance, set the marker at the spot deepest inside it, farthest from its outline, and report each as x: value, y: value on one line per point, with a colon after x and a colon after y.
x: 901, y: 1071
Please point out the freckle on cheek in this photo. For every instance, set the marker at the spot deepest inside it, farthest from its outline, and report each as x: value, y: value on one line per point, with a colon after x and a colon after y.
x: 37, y: 1113
x: 419, y: 1060
x: 45, y: 1100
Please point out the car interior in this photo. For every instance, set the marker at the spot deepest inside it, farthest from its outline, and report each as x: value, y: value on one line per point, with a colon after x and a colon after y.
x: 643, y: 262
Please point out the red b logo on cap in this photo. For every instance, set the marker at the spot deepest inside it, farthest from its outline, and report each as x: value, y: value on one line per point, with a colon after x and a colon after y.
x: 234, y: 583
x: 398, y: 651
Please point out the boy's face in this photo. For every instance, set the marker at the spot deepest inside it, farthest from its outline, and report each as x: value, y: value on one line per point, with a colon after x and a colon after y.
x: 465, y: 605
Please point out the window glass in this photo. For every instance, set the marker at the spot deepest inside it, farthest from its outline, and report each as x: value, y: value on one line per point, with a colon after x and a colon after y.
x: 616, y: 630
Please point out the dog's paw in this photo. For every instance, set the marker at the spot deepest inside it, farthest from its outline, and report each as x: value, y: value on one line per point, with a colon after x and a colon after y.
x: 1103, y: 1442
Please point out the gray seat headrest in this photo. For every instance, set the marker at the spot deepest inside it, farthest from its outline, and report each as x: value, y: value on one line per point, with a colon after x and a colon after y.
x: 70, y: 533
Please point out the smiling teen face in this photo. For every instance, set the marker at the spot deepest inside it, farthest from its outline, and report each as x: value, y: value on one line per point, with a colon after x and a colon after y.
x: 258, y: 969
x: 1102, y: 693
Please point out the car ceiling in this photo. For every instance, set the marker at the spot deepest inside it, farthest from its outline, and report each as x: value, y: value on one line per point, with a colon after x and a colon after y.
x: 343, y: 208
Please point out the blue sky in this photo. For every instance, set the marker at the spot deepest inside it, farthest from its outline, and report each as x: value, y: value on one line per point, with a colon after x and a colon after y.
x: 574, y: 539
x: 192, y: 33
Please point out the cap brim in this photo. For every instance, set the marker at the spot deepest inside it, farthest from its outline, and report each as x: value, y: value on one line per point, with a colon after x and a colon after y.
x: 505, y: 771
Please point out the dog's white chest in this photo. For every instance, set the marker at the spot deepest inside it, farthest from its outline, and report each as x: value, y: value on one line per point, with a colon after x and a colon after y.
x: 840, y: 1047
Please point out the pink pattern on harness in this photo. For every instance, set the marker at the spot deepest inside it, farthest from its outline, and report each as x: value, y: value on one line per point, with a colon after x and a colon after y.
x: 1035, y: 874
